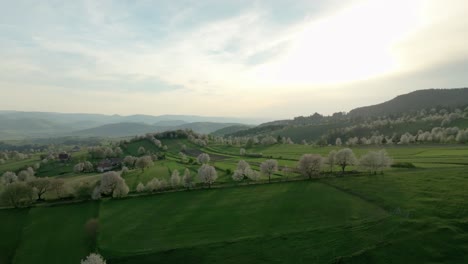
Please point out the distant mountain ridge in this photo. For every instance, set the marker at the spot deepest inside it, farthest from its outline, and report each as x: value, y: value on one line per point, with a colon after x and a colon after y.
x: 20, y: 125
x: 125, y: 129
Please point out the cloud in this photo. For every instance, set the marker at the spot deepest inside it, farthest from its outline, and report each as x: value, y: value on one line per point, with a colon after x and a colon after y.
x: 236, y: 58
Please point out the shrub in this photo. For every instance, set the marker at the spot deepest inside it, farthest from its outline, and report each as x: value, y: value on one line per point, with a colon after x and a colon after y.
x: 407, y: 165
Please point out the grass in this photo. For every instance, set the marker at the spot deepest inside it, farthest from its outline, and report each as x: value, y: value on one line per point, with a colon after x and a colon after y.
x: 132, y: 148
x: 16, y: 165
x: 197, y: 218
x: 11, y: 224
x: 407, y: 215
x: 56, y: 234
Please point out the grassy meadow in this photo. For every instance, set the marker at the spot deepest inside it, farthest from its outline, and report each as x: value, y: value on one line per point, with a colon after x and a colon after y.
x: 406, y: 215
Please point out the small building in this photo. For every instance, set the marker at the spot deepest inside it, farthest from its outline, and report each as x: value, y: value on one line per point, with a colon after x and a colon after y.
x: 75, y: 149
x: 64, y: 157
x: 109, y: 164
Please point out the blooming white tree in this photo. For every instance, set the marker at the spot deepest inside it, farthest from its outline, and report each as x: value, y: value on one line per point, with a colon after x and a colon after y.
x: 140, y: 187
x: 269, y: 140
x: 203, y: 158
x: 124, y: 171
x: 344, y: 158
x: 242, y: 151
x: 93, y: 258
x: 129, y: 161
x: 243, y: 171
x: 153, y: 185
x: 9, y: 177
x: 268, y: 167
x: 338, y: 142
x: 253, y: 175
x: 175, y: 179
x: 207, y: 174
x: 144, y: 162
x: 384, y: 160
x: 26, y: 175
x: 78, y: 167
x: 141, y: 151
x: 113, y: 184
x: 183, y: 157
x: 370, y: 161
x: 310, y: 165
x: 375, y: 160
x: 121, y: 189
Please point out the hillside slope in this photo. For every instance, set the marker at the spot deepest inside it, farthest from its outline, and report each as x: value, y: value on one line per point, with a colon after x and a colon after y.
x: 414, y: 101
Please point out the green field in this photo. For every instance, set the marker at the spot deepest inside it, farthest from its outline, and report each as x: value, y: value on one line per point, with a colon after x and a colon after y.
x: 417, y: 215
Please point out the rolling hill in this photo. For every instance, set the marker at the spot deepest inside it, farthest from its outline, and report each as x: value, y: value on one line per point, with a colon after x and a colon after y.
x: 414, y: 101
x: 313, y: 127
x: 125, y: 129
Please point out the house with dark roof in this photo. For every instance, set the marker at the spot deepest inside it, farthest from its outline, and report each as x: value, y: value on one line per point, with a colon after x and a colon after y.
x: 64, y: 157
x: 109, y: 164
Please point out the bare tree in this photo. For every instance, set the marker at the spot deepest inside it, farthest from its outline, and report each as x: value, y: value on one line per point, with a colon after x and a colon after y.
x: 203, y: 158
x: 331, y: 160
x: 18, y: 194
x: 207, y: 174
x: 42, y: 185
x: 91, y: 229
x: 58, y: 186
x: 187, y: 179
x: 344, y: 158
x: 286, y: 172
x: 269, y: 167
x: 310, y: 165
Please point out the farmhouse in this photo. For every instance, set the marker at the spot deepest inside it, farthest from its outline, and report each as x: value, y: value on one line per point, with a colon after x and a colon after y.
x: 64, y: 157
x: 109, y: 164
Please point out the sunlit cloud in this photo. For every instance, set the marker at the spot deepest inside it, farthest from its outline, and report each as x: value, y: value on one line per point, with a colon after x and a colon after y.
x: 236, y: 59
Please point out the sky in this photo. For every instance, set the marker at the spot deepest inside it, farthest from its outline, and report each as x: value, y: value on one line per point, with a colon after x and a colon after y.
x: 273, y: 59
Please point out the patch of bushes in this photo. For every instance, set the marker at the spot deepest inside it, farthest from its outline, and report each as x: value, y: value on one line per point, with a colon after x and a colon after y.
x: 407, y: 165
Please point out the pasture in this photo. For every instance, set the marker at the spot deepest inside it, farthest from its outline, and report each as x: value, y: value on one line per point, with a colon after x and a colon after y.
x: 405, y: 215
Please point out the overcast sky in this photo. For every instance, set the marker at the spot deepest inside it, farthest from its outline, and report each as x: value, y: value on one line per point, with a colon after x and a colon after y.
x: 274, y: 59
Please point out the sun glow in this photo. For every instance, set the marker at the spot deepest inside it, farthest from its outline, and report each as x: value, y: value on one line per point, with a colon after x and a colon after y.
x: 353, y: 44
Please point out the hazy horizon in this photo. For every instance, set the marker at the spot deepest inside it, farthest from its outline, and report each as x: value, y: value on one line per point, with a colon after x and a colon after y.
x: 266, y: 59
